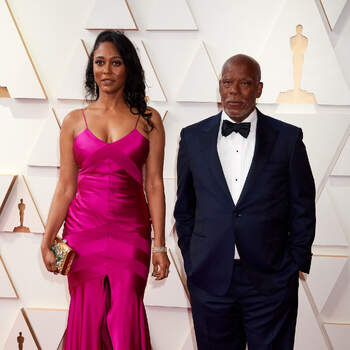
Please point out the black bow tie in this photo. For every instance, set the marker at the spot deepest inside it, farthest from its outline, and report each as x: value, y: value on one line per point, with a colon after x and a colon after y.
x: 228, y: 127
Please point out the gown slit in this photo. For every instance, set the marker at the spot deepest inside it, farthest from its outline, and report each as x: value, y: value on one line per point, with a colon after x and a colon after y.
x: 106, y: 341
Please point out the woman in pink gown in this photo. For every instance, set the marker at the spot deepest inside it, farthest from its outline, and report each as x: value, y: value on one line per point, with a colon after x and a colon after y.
x: 105, y: 149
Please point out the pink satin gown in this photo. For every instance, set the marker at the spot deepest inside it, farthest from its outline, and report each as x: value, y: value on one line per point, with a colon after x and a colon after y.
x: 108, y: 225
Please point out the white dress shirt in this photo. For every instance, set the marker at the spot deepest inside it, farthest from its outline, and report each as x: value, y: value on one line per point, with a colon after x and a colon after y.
x: 236, y: 154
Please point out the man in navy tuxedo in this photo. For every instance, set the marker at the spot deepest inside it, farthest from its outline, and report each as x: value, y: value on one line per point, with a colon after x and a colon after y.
x: 245, y: 218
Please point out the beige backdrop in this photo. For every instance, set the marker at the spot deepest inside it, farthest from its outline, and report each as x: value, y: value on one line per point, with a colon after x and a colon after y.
x: 182, y: 45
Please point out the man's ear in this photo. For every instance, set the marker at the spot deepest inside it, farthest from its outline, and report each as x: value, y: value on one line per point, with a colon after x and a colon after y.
x: 260, y: 88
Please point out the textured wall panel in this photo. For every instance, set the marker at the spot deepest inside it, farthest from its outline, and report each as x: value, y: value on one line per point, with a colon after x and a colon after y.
x: 308, y: 334
x: 333, y: 10
x: 201, y: 82
x: 170, y: 189
x: 10, y: 216
x: 190, y: 342
x: 168, y: 327
x: 6, y: 184
x: 111, y: 14
x: 44, y: 290
x: 325, y: 273
x: 154, y: 90
x: 20, y: 124
x: 277, y: 58
x: 17, y: 71
x: 46, y: 149
x: 322, y: 137
x: 339, y: 335
x: 7, y: 289
x: 72, y: 84
x: 43, y: 183
x: 169, y: 15
x: 337, y: 307
x: 25, y: 338
x: 328, y: 228
x: 342, y: 167
x: 341, y: 197
x: 48, y: 325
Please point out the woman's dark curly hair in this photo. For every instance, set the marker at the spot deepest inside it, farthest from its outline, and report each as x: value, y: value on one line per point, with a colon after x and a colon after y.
x: 134, y: 89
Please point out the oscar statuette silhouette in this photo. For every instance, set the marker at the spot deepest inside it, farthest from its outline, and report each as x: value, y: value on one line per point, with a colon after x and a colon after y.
x: 20, y: 341
x: 21, y: 227
x: 298, y: 44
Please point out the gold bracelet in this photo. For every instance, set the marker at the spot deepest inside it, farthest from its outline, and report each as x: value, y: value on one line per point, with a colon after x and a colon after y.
x: 159, y: 249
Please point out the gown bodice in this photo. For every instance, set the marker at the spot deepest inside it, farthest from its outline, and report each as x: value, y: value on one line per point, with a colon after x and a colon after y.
x: 109, y: 184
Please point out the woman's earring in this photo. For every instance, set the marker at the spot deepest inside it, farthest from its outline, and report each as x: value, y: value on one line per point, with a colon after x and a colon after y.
x: 95, y: 89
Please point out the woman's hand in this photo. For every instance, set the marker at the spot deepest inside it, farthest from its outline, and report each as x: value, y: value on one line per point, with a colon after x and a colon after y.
x: 49, y: 259
x: 161, y: 265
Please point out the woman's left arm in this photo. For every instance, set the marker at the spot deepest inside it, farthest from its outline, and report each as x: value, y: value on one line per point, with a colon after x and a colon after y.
x: 155, y: 194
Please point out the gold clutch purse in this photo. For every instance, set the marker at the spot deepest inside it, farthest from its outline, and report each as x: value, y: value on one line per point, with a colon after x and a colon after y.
x: 64, y: 255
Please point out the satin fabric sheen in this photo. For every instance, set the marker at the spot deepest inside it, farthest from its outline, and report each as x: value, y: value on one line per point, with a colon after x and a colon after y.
x: 108, y: 225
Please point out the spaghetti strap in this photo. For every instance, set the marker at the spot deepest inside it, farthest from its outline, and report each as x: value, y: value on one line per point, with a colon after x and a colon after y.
x: 82, y: 111
x: 137, y: 121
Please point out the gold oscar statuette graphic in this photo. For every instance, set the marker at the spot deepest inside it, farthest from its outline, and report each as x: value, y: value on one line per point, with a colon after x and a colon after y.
x: 298, y: 45
x: 21, y: 227
x: 20, y: 341
x: 4, y: 92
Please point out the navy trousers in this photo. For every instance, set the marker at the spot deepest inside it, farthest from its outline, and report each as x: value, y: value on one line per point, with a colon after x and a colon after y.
x: 245, y: 316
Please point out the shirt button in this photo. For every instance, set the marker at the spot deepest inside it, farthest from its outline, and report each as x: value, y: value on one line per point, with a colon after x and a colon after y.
x: 236, y: 179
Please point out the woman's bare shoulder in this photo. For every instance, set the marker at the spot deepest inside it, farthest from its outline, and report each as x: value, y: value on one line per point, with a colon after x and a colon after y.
x: 73, y: 117
x: 155, y: 117
x: 73, y: 121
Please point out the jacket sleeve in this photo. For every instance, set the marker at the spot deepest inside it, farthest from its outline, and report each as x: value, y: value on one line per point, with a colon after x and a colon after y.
x: 185, y: 204
x: 301, y: 206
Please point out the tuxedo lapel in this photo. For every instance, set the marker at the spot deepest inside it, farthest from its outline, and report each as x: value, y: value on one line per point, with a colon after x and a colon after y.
x: 265, y: 139
x: 209, y: 148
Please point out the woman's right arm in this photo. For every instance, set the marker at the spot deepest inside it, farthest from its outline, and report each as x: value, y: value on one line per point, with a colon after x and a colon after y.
x: 64, y: 193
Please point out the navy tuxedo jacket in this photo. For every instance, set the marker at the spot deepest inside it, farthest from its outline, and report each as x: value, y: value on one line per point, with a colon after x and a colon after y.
x: 273, y: 222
